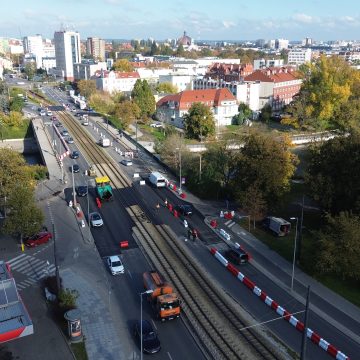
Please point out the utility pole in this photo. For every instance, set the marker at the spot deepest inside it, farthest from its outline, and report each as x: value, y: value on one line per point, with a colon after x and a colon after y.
x: 73, y: 185
x: 57, y: 274
x: 304, y: 336
x: 300, y: 229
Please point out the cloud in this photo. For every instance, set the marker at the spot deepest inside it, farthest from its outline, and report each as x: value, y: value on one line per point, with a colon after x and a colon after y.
x: 228, y: 24
x: 303, y: 18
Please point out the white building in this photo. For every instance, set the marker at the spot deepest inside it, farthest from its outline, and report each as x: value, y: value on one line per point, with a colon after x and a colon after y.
x: 115, y: 81
x: 245, y: 92
x: 67, y: 50
x: 87, y: 68
x: 33, y: 45
x: 182, y: 82
x: 299, y: 56
x: 48, y: 63
x: 264, y: 63
x: 281, y: 44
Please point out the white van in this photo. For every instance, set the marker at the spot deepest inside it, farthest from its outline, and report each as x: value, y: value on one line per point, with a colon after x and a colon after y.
x: 157, y: 179
x: 105, y: 142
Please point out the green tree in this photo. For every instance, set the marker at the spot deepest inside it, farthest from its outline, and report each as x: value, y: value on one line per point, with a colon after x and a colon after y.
x: 265, y: 164
x: 180, y: 51
x: 265, y: 114
x: 167, y: 88
x: 154, y: 49
x: 244, y: 113
x: 127, y: 111
x: 339, y: 246
x: 30, y: 70
x: 87, y: 87
x: 102, y: 102
x: 16, y: 104
x: 123, y: 65
x: 144, y: 98
x: 14, y: 119
x: 332, y: 174
x: 199, y: 121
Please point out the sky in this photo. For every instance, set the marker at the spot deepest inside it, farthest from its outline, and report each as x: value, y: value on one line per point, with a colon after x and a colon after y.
x: 202, y: 19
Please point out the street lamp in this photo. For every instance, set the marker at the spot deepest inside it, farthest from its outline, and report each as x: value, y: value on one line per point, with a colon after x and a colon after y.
x: 141, y: 321
x: 73, y: 185
x: 294, y: 256
x: 179, y: 149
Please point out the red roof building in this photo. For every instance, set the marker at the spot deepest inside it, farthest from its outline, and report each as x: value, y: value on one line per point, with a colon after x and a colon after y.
x: 229, y: 72
x: 172, y: 108
x: 278, y: 86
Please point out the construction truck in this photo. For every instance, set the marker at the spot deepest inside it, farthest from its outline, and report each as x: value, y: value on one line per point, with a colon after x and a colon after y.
x: 165, y: 302
x: 103, y: 188
x: 92, y: 170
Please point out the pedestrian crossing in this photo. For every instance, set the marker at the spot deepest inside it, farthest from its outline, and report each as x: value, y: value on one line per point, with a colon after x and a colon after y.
x: 230, y: 223
x: 35, y: 269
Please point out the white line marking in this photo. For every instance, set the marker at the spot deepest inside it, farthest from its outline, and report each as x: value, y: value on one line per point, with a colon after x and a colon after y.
x: 129, y: 274
x: 13, y: 259
x: 153, y: 324
x: 168, y: 354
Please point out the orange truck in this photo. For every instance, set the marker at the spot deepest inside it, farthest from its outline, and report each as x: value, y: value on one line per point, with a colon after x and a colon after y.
x: 165, y: 302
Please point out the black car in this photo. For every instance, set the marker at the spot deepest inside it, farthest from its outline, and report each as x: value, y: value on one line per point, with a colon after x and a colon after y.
x: 74, y: 154
x: 237, y: 256
x: 81, y: 190
x: 75, y: 168
x: 185, y: 209
x: 151, y: 342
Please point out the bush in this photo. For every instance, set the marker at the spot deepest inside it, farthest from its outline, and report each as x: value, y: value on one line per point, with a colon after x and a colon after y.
x: 67, y: 299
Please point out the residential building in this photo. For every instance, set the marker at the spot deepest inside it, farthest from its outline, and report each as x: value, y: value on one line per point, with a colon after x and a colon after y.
x: 16, y: 47
x: 263, y: 63
x: 247, y: 92
x: 48, y: 63
x: 15, y: 321
x: 299, y: 56
x: 67, y: 51
x: 116, y: 81
x: 228, y: 72
x: 33, y: 46
x: 278, y: 86
x: 96, y: 48
x: 307, y: 42
x: 172, y: 108
x: 109, y: 63
x: 182, y: 82
x: 350, y: 56
x: 152, y: 75
x: 87, y: 68
x: 281, y: 44
x: 5, y: 64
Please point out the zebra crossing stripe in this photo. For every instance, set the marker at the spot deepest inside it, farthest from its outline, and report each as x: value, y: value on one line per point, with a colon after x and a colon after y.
x: 231, y: 224
x: 29, y: 281
x: 13, y: 259
x: 227, y: 222
x: 26, y: 264
x: 13, y: 263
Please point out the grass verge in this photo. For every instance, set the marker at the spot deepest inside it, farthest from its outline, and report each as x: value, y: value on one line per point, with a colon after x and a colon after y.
x: 21, y: 132
x: 79, y: 351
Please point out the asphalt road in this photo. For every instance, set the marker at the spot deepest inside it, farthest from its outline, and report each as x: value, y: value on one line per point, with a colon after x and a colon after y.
x: 117, y: 227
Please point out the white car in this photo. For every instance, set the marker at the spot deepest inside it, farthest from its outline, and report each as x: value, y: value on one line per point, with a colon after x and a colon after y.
x: 156, y: 125
x: 49, y: 113
x: 42, y: 113
x: 95, y: 219
x: 115, y: 265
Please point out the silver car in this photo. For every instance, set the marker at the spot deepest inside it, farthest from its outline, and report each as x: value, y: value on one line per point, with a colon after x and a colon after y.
x: 95, y: 219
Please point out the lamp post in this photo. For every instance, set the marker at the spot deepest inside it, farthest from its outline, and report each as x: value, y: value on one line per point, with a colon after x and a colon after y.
x: 88, y: 205
x: 179, y: 149
x: 294, y: 256
x: 73, y: 185
x: 141, y: 324
x: 200, y: 168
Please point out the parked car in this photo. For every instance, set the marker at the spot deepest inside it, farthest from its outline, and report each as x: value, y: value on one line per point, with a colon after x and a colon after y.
x: 95, y: 219
x: 237, y: 256
x: 74, y: 154
x: 184, y: 209
x: 75, y: 168
x: 126, y: 162
x: 70, y: 140
x: 156, y: 125
x: 150, y: 341
x: 65, y: 133
x: 42, y: 113
x: 82, y: 190
x: 115, y: 265
x: 38, y: 239
x: 57, y: 124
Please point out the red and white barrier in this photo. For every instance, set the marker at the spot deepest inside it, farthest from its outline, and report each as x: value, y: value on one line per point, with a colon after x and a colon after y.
x: 313, y: 336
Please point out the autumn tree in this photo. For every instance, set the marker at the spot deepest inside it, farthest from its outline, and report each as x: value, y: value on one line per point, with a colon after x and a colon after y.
x: 127, y: 111
x: 199, y: 121
x: 144, y: 98
x: 123, y: 65
x: 102, y: 102
x: 87, y: 87
x: 14, y: 119
x: 333, y: 174
x: 166, y: 88
x: 339, y: 246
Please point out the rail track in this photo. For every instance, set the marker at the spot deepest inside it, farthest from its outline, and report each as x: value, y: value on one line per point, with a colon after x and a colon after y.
x: 215, y: 319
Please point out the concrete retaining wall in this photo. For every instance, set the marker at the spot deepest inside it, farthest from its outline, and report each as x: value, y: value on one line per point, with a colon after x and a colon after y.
x: 27, y: 146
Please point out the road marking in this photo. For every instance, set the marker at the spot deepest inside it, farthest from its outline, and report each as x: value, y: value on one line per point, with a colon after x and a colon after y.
x: 168, y: 354
x: 129, y: 274
x: 227, y: 222
x: 13, y: 259
x: 231, y: 224
x: 27, y: 264
x: 153, y: 324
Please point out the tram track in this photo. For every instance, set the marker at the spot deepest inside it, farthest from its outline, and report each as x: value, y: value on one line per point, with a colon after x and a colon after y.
x: 214, y: 317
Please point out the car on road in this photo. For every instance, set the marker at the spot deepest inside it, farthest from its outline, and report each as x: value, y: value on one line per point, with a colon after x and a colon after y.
x: 42, y: 113
x: 115, y: 265
x: 53, y: 118
x: 126, y: 162
x: 38, y: 239
x: 58, y: 124
x: 70, y: 140
x: 237, y: 256
x: 85, y: 122
x: 156, y: 125
x: 150, y: 341
x: 82, y: 190
x: 95, y: 219
x: 49, y: 113
x: 75, y: 168
x: 185, y: 209
x: 74, y: 155
x: 65, y: 133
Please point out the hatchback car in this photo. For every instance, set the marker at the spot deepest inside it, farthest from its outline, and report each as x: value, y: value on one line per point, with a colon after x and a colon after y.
x: 150, y: 341
x: 65, y: 133
x: 70, y: 140
x: 38, y: 239
x: 126, y: 162
x: 95, y: 219
x: 237, y: 256
x: 75, y: 168
x: 82, y: 190
x: 115, y: 265
x: 185, y: 209
x: 74, y: 154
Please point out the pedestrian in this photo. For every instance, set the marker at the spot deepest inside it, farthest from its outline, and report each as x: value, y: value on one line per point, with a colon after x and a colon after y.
x: 166, y: 202
x: 157, y: 207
